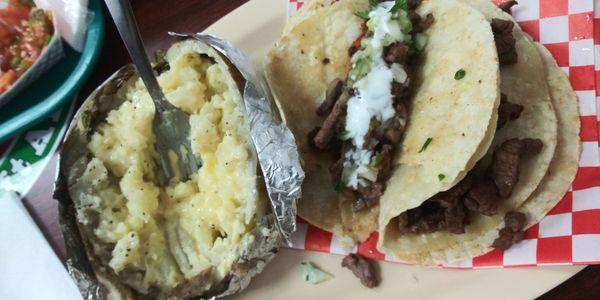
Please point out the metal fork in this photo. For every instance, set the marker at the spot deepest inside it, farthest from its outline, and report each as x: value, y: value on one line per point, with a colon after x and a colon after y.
x: 170, y: 125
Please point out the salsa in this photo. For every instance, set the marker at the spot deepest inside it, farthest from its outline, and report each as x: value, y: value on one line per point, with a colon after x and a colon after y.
x: 24, y: 33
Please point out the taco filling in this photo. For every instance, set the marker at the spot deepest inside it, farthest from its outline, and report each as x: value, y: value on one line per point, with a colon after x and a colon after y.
x: 367, y: 113
x: 482, y: 191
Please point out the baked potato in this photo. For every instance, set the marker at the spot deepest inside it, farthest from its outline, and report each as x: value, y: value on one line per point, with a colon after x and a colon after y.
x: 201, y: 238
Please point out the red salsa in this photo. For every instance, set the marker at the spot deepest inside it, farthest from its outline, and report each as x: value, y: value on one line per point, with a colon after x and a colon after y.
x: 24, y: 33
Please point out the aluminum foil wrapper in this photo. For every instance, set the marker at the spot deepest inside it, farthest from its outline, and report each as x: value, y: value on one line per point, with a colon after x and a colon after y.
x: 278, y: 158
x: 274, y: 142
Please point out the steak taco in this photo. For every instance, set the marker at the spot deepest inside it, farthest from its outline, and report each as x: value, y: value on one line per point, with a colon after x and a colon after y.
x: 527, y: 170
x: 367, y: 87
x: 470, y: 154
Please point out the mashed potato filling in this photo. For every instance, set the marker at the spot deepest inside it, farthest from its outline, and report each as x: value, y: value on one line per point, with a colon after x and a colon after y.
x: 157, y: 237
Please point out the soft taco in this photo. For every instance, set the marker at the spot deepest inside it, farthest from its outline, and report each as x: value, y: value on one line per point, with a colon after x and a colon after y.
x: 462, y: 221
x: 516, y: 183
x: 479, y: 157
x: 363, y: 72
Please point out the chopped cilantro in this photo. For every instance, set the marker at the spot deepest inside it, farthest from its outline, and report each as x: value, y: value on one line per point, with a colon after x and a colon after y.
x: 361, y: 66
x: 374, y: 123
x: 404, y: 21
x: 373, y: 3
x: 400, y: 5
x: 340, y: 186
x: 342, y: 134
x: 426, y: 144
x: 441, y: 177
x: 413, y: 48
x: 362, y: 14
x: 460, y: 74
x: 376, y: 160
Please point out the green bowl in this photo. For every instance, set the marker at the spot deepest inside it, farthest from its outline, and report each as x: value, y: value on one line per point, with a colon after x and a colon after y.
x: 56, y: 87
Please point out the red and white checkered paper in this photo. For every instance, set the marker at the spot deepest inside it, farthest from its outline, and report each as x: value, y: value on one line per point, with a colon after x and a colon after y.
x: 570, y: 233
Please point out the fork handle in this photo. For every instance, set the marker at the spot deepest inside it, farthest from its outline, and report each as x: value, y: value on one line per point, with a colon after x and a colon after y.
x: 124, y: 19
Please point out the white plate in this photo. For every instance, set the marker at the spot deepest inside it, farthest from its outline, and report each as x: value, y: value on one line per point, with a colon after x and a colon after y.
x: 254, y: 27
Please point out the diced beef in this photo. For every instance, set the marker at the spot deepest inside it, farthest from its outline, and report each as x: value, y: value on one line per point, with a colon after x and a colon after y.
x: 326, y: 133
x: 505, y: 166
x: 512, y: 232
x: 531, y: 146
x: 505, y: 163
x: 507, y: 238
x: 515, y: 220
x: 335, y: 170
x: 396, y: 53
x: 444, y: 211
x: 455, y: 218
x: 451, y: 196
x: 385, y: 166
x: 414, y: 17
x: 370, y: 141
x: 354, y: 48
x: 412, y: 4
x: 506, y: 6
x: 423, y: 23
x: 483, y: 197
x: 399, y: 91
x: 311, y: 137
x: 428, y: 217
x: 368, y: 195
x: 449, y: 210
x: 393, y: 133
x: 334, y: 91
x: 508, y: 111
x: 362, y: 268
x: 455, y: 212
x: 505, y: 41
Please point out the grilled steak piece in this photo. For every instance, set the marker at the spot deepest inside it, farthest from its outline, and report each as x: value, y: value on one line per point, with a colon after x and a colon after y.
x: 507, y: 238
x: 330, y: 125
x: 368, y: 195
x: 396, y: 53
x: 505, y: 41
x: 505, y: 164
x: 362, y: 268
x: 483, y: 197
x: 506, y: 6
x: 515, y: 220
x: 334, y: 91
x: 508, y: 111
x: 512, y: 233
x: 423, y: 23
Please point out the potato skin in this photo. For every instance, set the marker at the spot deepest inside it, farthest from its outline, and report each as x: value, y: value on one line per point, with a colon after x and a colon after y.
x: 86, y: 267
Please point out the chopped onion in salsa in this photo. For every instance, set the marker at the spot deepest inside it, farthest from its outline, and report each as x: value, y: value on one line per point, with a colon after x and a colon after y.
x: 24, y: 33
